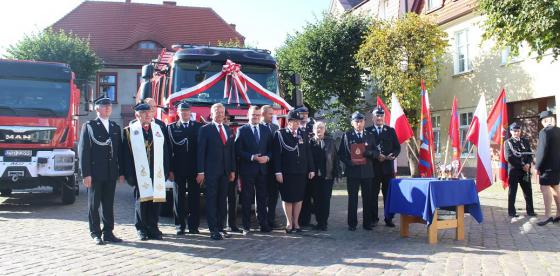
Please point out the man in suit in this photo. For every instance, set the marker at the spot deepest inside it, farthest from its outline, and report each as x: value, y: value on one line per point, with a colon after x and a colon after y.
x: 359, y: 172
x: 267, y: 113
x: 389, y: 148
x: 519, y: 158
x: 146, y: 167
x: 253, y: 146
x: 232, y: 192
x: 216, y: 167
x: 183, y: 136
x: 548, y: 165
x: 100, y: 151
x: 308, y: 205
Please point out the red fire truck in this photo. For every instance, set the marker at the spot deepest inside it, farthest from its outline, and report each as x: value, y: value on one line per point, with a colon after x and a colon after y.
x: 204, y: 75
x: 38, y: 127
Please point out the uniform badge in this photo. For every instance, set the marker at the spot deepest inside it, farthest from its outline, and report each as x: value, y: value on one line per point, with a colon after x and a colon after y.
x: 136, y: 132
x: 358, y: 151
x: 158, y: 134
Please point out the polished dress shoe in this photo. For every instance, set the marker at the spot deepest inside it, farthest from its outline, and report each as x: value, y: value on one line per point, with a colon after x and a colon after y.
x: 97, y: 240
x: 180, y: 232
x: 514, y: 216
x: 216, y: 236
x: 194, y: 231
x: 288, y: 230
x: 156, y: 237
x: 111, y: 238
x: 545, y: 222
x: 389, y: 223
x: 142, y: 236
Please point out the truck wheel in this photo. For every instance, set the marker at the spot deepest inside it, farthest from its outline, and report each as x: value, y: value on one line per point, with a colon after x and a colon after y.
x: 6, y: 192
x: 68, y: 191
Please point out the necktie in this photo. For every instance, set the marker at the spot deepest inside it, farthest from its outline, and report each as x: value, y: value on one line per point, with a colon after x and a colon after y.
x: 222, y: 134
x: 378, y: 130
x: 256, y: 133
x: 359, y: 135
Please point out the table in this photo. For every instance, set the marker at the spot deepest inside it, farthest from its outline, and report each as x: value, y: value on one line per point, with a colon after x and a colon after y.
x: 418, y: 201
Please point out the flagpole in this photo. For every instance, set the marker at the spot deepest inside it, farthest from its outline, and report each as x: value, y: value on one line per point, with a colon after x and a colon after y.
x: 464, y: 162
x: 446, y: 151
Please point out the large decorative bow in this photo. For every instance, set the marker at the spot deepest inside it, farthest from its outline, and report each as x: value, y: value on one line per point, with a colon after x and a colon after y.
x: 235, y: 83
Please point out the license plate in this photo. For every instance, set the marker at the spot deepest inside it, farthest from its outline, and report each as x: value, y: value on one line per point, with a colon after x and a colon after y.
x: 18, y: 153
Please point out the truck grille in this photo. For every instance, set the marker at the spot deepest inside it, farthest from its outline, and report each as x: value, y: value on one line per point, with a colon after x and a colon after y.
x: 26, y: 135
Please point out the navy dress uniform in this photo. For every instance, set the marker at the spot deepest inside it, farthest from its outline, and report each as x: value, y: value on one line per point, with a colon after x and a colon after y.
x: 146, y: 213
x: 100, y: 151
x: 272, y: 187
x: 308, y: 205
x: 292, y: 157
x: 183, y: 137
x: 518, y: 155
x: 387, y: 143
x: 358, y: 176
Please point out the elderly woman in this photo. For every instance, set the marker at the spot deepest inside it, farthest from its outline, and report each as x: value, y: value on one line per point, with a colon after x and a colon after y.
x: 325, y: 158
x: 293, y: 166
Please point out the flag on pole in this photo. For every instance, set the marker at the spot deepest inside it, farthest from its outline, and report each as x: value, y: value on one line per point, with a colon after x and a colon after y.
x: 399, y: 121
x: 454, y: 135
x: 387, y: 112
x: 497, y: 129
x: 425, y: 162
x: 478, y: 135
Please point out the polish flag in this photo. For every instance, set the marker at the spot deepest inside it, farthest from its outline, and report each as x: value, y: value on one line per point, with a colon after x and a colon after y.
x: 478, y: 135
x: 387, y: 112
x: 399, y: 121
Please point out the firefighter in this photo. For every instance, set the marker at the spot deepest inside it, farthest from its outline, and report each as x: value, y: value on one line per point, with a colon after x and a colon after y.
x: 308, y: 205
x: 519, y: 168
x: 100, y: 149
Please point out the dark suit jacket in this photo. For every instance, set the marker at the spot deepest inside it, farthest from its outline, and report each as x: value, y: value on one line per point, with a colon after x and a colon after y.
x: 213, y: 157
x: 272, y: 127
x: 386, y: 142
x: 98, y: 161
x: 128, y: 157
x: 325, y: 157
x: 183, y: 157
x: 548, y: 150
x: 358, y: 171
x: 514, y: 162
x: 246, y: 146
x: 285, y: 161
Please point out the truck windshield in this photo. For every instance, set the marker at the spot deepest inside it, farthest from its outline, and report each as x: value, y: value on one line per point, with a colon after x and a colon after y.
x: 31, y: 97
x: 187, y: 75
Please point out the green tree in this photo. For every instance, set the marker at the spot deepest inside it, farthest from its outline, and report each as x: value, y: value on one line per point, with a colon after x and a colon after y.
x: 58, y: 46
x: 324, y: 55
x: 511, y: 22
x: 399, y: 54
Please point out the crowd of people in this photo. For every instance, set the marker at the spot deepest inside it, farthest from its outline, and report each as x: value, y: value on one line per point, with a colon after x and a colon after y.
x: 298, y: 163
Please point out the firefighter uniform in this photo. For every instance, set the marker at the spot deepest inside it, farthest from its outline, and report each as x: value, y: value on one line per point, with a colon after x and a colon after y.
x: 515, y: 154
x: 100, y: 149
x: 307, y: 206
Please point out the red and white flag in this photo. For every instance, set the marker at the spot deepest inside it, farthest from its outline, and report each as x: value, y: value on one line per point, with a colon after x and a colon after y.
x: 385, y: 109
x: 478, y: 135
x: 399, y: 121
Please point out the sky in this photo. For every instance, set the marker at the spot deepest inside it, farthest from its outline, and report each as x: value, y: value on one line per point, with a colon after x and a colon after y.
x: 264, y: 23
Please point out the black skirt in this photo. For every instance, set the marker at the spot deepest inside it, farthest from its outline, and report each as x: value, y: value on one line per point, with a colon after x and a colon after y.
x: 549, y: 178
x: 293, y: 188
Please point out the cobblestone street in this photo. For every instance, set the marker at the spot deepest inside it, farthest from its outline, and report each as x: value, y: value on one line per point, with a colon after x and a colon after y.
x: 40, y: 236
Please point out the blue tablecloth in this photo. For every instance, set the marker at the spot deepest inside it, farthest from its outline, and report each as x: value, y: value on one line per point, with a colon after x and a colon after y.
x: 422, y: 196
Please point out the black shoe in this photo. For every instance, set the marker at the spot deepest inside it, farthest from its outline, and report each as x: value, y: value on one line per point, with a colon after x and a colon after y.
x: 156, y: 236
x: 111, y: 238
x: 514, y: 216
x: 194, y: 231
x: 225, y: 234
x: 351, y: 228
x: 389, y: 223
x: 142, y: 236
x: 545, y: 222
x: 320, y: 227
x: 556, y: 220
x: 298, y: 230
x: 180, y: 232
x: 266, y: 229
x: 235, y: 229
x: 289, y: 230
x: 216, y: 236
x: 97, y: 240
x: 367, y: 227
x: 532, y: 214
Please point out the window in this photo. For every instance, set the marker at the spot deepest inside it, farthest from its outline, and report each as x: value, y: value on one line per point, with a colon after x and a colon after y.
x: 465, y: 120
x: 507, y: 57
x: 148, y: 45
x: 107, y: 85
x: 433, y: 4
x: 436, y: 128
x: 462, y: 58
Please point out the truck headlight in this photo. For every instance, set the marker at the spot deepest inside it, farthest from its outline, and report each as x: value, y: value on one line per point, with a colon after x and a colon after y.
x: 64, y: 163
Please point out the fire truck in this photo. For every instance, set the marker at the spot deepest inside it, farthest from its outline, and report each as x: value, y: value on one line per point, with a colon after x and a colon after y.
x: 203, y: 75
x: 38, y: 127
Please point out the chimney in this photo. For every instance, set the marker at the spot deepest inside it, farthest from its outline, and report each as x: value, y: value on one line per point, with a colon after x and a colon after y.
x: 232, y: 26
x: 169, y: 3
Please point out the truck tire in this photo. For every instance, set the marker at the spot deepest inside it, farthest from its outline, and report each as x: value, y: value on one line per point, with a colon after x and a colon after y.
x: 6, y: 192
x: 68, y: 190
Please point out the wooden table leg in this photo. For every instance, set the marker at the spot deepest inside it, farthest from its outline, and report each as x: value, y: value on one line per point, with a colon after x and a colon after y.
x: 460, y: 231
x: 433, y: 229
x: 405, y: 222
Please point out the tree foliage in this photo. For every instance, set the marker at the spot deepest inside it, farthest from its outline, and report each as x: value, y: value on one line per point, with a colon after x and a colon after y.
x: 511, y: 22
x: 399, y: 54
x: 49, y: 45
x: 324, y: 55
